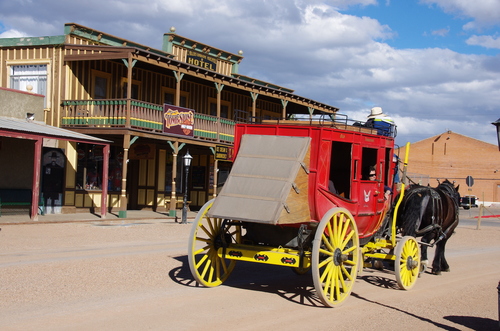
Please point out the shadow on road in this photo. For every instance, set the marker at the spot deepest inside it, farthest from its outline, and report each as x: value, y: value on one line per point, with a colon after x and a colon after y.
x: 474, y: 323
x: 259, y: 277
x: 381, y: 282
x: 437, y: 324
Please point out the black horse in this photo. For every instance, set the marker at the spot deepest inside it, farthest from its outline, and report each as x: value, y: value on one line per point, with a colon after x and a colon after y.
x: 430, y: 213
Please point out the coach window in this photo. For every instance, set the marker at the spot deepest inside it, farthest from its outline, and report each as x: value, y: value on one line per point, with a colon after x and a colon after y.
x: 340, y: 169
x: 368, y: 159
x: 389, y: 157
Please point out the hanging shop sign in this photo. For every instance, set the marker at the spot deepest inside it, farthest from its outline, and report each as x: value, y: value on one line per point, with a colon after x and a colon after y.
x: 178, y: 120
x: 142, y: 152
x: 223, y: 153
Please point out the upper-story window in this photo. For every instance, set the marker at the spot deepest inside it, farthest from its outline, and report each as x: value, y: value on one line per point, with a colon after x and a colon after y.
x: 169, y: 97
x: 29, y: 77
x: 135, y: 88
x: 101, y: 84
x: 224, y: 108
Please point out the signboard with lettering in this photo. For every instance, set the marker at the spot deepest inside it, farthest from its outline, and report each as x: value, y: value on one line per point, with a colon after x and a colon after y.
x: 178, y: 120
x: 223, y: 153
x: 201, y: 60
x: 142, y: 151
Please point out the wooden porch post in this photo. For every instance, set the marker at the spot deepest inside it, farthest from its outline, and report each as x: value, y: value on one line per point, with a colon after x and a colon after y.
x: 254, y: 104
x: 105, y: 172
x: 173, y: 198
x: 284, y: 103
x: 178, y: 78
x: 219, y: 88
x: 311, y: 112
x: 122, y: 213
x: 35, y: 187
x: 129, y: 90
x: 216, y: 167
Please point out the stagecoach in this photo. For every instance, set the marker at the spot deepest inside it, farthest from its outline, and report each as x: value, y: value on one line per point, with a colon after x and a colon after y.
x: 298, y: 196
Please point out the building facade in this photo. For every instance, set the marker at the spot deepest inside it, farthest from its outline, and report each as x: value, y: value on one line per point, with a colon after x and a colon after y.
x: 454, y: 157
x: 154, y: 105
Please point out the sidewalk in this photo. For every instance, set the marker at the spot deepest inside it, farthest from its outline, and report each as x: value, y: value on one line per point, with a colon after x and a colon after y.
x: 141, y: 215
x: 488, y: 212
x: 22, y: 217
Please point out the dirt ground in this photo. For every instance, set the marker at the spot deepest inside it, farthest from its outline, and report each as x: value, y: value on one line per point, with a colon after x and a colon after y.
x: 134, y: 276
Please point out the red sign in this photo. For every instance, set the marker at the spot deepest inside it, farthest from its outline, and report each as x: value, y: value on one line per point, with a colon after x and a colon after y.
x: 178, y: 120
x: 142, y: 151
x: 81, y: 154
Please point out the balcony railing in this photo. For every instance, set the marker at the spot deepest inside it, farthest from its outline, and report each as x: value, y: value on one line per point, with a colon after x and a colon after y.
x: 112, y: 113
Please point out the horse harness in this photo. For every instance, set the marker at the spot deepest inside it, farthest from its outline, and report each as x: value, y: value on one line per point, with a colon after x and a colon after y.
x: 437, y: 213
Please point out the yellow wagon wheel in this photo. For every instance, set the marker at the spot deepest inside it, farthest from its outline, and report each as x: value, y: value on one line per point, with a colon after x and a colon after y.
x: 335, y: 256
x: 407, y: 263
x: 207, y: 236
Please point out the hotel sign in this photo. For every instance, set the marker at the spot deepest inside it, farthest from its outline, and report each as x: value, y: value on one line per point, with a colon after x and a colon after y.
x: 178, y: 120
x: 201, y: 60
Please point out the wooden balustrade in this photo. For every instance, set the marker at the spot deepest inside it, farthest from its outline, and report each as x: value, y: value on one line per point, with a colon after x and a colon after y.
x: 143, y: 115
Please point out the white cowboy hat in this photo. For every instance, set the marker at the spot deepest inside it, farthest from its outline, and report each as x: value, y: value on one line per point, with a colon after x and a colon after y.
x: 376, y: 111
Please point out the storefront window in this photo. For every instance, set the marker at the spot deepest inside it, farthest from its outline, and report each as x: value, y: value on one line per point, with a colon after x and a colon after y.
x: 89, y: 169
x: 168, y: 175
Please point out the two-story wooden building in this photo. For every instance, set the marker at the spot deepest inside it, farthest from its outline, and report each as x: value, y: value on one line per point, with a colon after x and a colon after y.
x: 154, y: 105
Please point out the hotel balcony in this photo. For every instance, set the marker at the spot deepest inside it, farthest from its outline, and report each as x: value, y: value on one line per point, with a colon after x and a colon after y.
x: 115, y: 113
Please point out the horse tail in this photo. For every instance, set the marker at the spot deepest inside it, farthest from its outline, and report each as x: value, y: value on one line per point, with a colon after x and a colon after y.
x: 411, y: 215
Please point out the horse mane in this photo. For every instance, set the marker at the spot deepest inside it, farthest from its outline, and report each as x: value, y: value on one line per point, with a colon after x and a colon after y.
x: 450, y: 189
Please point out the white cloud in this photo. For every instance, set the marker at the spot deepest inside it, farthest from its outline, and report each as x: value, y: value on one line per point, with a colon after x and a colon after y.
x: 441, y: 32
x: 484, y: 12
x: 12, y: 34
x: 309, y: 46
x: 485, y: 41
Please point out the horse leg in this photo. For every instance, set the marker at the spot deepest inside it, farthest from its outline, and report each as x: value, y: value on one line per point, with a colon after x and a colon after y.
x: 423, y: 255
x: 444, y: 264
x: 439, y: 263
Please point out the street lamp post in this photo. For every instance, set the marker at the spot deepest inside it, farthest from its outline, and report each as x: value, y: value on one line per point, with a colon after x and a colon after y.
x: 187, y: 163
x: 497, y: 124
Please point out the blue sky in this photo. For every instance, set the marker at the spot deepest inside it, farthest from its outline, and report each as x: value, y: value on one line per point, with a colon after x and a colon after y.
x: 432, y: 65
x: 418, y: 25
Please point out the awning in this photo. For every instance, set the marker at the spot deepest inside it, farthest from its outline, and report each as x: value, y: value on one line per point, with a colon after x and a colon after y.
x: 37, y: 131
x: 14, y: 127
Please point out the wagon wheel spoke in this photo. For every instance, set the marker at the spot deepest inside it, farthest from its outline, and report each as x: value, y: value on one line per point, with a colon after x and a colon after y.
x: 335, y: 256
x: 206, y: 266
x: 407, y: 264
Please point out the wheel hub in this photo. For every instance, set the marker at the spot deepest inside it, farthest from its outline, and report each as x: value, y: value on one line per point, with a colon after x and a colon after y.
x: 411, y: 263
x: 222, y: 240
x: 338, y: 258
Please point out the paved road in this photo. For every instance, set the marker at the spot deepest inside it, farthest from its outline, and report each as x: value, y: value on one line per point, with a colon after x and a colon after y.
x: 134, y: 276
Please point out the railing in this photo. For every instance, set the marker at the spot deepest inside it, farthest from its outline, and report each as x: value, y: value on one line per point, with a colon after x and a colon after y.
x: 146, y: 116
x: 107, y: 113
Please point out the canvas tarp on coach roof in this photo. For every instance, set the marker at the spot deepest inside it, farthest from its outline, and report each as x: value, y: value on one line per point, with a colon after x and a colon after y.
x: 261, y: 178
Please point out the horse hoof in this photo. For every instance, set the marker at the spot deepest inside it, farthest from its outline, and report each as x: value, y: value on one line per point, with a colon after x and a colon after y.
x: 446, y: 270
x: 437, y: 273
x: 423, y: 265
